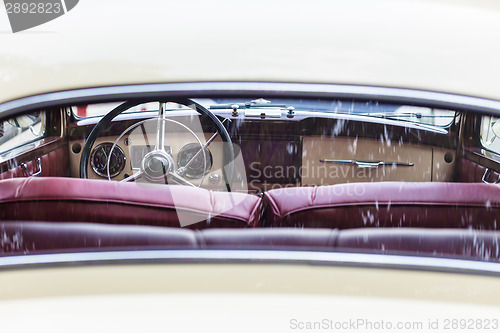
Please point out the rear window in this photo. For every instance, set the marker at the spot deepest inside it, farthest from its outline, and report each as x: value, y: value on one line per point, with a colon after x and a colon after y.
x: 490, y: 128
x: 21, y: 133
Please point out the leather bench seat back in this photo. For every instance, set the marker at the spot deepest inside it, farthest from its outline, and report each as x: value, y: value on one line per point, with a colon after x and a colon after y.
x: 385, y: 204
x: 85, y: 200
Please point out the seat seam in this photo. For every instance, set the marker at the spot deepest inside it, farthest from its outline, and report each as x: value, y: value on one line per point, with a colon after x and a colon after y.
x: 121, y: 202
x: 364, y: 204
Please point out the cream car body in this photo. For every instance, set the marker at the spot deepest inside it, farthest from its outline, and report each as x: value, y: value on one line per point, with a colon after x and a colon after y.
x: 436, y: 46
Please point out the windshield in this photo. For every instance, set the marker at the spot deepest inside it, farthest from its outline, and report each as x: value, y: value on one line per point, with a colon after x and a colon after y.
x: 424, y: 115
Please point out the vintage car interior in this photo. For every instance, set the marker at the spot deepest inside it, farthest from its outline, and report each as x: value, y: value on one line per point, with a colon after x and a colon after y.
x: 250, y: 170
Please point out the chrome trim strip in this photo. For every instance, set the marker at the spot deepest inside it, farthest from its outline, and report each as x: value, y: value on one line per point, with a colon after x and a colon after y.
x: 365, y: 164
x: 361, y: 260
x: 297, y: 115
x: 205, y: 89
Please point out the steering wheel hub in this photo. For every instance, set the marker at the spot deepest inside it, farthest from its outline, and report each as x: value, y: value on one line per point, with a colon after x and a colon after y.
x: 157, y: 164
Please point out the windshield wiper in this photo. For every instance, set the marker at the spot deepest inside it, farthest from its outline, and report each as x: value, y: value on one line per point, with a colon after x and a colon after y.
x: 394, y: 115
x: 256, y: 103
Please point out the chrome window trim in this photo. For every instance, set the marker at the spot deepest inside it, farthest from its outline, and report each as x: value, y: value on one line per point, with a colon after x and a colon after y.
x: 298, y: 90
x: 206, y: 89
x: 349, y: 259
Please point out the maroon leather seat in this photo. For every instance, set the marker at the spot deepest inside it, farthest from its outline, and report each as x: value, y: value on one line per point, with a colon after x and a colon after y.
x: 472, y: 244
x: 266, y: 238
x: 385, y: 204
x: 470, y: 172
x: 32, y: 237
x: 85, y: 200
x: 35, y: 237
x: 475, y: 244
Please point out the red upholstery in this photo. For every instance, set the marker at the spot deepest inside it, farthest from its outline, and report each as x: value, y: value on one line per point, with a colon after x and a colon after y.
x: 28, y: 237
x: 54, y: 164
x: 34, y: 237
x: 385, y: 204
x: 471, y: 172
x: 269, y: 238
x: 439, y: 242
x: 84, y: 200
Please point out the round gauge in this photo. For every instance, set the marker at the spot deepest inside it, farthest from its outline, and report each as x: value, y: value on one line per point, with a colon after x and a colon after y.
x: 99, y: 159
x: 195, y: 169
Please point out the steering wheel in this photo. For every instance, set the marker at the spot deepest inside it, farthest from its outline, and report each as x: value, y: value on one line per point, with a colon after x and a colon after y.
x: 158, y: 163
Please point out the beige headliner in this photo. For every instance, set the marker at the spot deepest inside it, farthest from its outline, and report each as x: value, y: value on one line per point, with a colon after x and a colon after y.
x: 448, y: 46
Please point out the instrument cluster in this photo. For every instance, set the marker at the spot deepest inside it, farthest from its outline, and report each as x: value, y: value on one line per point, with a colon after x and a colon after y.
x: 190, y: 157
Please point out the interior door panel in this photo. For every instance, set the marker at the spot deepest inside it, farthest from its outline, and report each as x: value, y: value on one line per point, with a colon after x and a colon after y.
x: 472, y: 172
x: 53, y: 162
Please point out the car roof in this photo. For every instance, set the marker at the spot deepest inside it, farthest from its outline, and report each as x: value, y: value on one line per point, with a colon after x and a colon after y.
x: 447, y: 46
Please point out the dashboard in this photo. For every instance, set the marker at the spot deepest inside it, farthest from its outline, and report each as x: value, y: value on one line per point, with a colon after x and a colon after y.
x: 271, y: 151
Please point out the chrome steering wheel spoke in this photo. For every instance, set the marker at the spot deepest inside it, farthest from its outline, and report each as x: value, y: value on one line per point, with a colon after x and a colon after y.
x: 158, y: 164
x: 175, y: 177
x: 136, y: 176
x: 160, y: 130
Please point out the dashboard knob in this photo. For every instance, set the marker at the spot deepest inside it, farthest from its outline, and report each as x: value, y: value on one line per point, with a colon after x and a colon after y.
x: 214, y: 178
x: 235, y: 108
